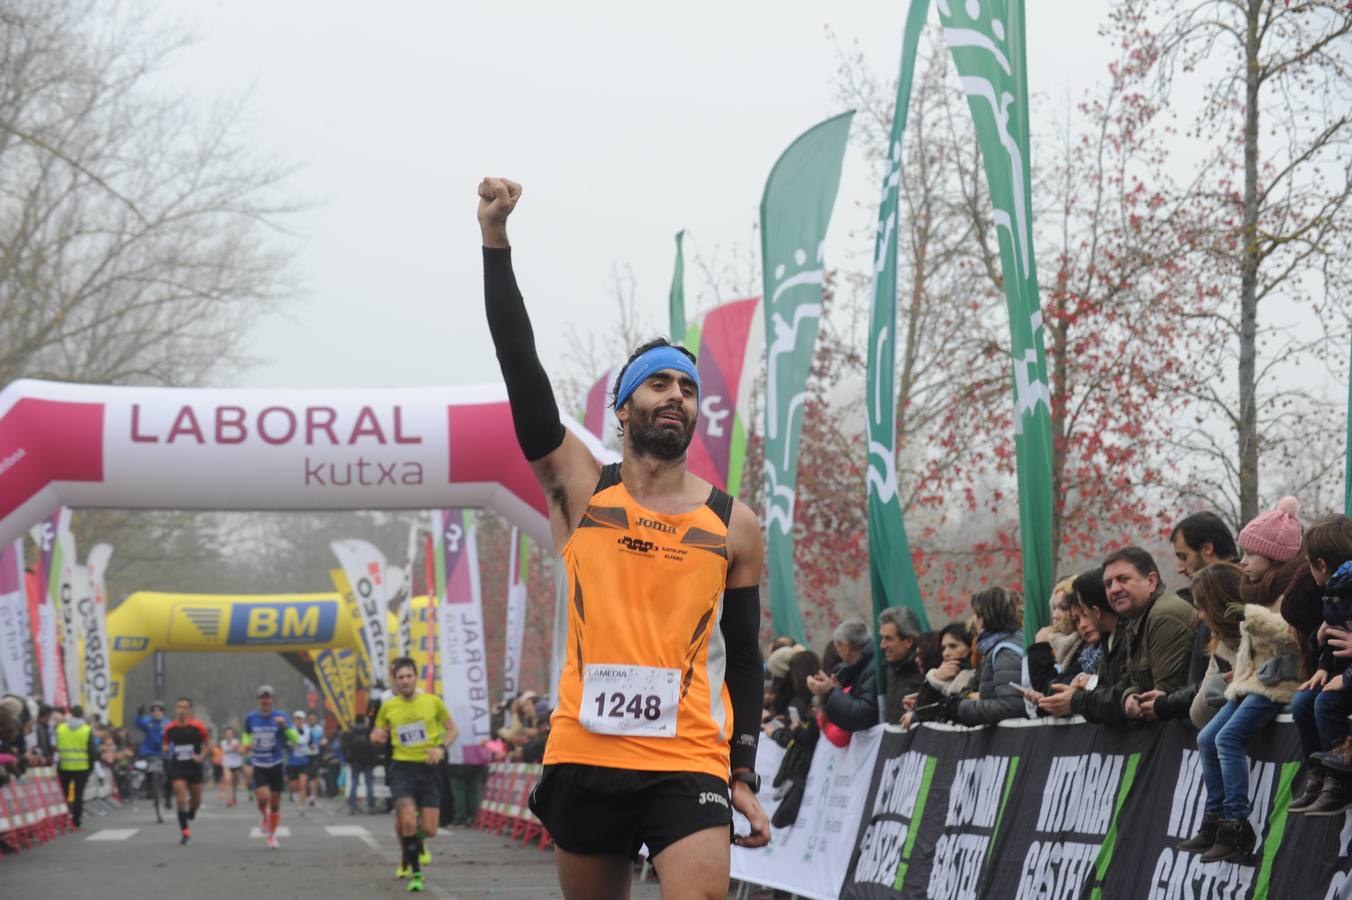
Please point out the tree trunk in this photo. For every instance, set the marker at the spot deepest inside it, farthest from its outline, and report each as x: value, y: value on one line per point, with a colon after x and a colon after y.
x: 1248, y: 279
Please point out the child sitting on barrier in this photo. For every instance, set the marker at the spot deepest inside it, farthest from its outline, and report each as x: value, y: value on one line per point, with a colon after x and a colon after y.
x: 1265, y: 676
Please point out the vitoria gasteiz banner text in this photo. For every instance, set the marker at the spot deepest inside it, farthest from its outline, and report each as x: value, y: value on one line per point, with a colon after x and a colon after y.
x: 180, y: 448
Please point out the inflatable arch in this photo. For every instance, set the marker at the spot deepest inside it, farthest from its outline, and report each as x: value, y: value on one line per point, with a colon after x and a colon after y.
x: 148, y: 621
x: 83, y: 445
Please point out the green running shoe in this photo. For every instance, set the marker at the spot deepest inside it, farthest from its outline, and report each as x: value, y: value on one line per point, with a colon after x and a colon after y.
x: 425, y: 856
x: 415, y: 883
x: 403, y: 871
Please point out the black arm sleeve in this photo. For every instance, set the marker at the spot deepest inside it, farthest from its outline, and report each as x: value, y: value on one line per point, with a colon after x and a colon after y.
x: 535, y: 413
x: 745, y: 675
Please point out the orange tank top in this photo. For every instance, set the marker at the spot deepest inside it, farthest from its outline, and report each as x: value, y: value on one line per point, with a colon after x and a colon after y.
x: 642, y: 684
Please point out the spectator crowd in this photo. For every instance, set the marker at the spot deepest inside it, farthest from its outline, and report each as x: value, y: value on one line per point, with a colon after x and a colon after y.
x: 1264, y: 625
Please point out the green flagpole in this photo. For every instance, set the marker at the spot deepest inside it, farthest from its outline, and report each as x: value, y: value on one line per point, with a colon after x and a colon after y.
x: 891, y: 572
x: 987, y: 43
x: 795, y: 212
x: 676, y: 306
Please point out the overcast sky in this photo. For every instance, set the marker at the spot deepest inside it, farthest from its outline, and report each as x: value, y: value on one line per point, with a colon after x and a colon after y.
x: 624, y: 121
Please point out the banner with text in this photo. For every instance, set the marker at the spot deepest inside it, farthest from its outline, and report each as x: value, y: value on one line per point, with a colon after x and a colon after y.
x: 16, y: 661
x: 364, y: 567
x: 68, y: 582
x: 728, y: 346
x: 809, y: 858
x: 93, y: 605
x: 518, y: 569
x: 1071, y: 810
x: 47, y: 634
x: 460, y: 633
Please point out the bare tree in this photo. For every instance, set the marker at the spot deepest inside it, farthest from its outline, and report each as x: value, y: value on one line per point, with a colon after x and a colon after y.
x: 1276, y: 86
x: 138, y: 231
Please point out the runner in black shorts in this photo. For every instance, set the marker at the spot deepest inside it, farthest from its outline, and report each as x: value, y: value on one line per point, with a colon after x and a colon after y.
x: 185, y: 741
x: 654, y: 737
x: 266, y: 734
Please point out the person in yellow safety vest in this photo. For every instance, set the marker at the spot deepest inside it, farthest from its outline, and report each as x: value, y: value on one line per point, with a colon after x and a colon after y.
x: 76, y: 749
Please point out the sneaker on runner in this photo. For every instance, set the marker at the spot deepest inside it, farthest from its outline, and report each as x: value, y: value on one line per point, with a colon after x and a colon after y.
x: 185, y: 838
x: 425, y: 856
x: 272, y: 842
x: 415, y: 884
x: 403, y: 871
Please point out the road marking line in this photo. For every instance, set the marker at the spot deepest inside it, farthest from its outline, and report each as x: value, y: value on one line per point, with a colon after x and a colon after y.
x: 282, y: 831
x: 357, y: 831
x: 112, y: 834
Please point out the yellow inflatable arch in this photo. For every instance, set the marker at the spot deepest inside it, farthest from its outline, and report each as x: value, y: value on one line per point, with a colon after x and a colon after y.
x: 213, y: 623
x: 210, y: 623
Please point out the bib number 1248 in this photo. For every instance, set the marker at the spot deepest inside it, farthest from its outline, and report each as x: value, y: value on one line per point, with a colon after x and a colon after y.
x: 636, y: 706
x: 639, y: 701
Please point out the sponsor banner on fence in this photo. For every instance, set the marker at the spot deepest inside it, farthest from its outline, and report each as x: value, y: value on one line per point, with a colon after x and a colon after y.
x: 1071, y: 810
x: 809, y: 858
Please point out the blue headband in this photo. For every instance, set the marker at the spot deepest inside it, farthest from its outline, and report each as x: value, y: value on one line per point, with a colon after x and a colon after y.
x: 654, y: 360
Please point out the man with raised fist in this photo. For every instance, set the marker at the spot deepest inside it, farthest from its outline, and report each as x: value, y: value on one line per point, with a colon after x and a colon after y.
x: 660, y: 697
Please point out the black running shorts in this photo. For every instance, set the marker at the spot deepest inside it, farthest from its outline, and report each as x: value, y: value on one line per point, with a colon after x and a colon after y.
x: 189, y: 771
x: 271, y: 777
x: 420, y: 781
x: 591, y: 809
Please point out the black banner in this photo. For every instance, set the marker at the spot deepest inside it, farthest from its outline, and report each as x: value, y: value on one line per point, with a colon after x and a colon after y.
x: 1058, y: 811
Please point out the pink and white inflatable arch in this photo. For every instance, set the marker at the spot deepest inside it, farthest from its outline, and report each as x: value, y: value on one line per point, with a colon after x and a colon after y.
x: 87, y: 446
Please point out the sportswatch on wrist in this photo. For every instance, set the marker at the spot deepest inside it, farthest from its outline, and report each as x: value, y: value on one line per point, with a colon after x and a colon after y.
x: 748, y: 777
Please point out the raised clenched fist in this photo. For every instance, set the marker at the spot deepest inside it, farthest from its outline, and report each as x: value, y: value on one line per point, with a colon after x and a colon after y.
x: 497, y: 199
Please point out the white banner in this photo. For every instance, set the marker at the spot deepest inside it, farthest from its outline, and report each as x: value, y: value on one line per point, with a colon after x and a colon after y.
x: 518, y: 566
x: 93, y: 605
x: 460, y: 634
x: 73, y: 585
x: 364, y: 567
x: 16, y: 662
x: 811, y: 857
x: 84, y: 446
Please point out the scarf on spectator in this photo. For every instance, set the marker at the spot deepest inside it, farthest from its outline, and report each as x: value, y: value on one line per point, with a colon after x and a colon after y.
x: 1090, y: 656
x: 989, y: 640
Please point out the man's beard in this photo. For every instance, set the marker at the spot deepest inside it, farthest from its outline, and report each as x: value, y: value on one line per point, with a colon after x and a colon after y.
x: 648, y: 437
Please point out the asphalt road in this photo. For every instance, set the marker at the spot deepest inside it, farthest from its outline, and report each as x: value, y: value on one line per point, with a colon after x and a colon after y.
x: 324, y: 854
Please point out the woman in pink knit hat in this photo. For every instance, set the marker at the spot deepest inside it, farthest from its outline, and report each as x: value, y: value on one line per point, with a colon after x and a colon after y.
x: 1271, y: 545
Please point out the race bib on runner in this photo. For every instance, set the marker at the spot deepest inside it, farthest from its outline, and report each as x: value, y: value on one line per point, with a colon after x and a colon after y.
x: 264, y: 741
x: 183, y: 752
x: 639, y: 701
x: 411, y: 734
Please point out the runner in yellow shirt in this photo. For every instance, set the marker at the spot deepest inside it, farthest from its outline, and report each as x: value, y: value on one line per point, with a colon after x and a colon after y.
x: 422, y: 731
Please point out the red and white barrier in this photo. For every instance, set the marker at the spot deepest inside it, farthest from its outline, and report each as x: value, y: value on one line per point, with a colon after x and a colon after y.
x: 32, y: 810
x: 505, y: 808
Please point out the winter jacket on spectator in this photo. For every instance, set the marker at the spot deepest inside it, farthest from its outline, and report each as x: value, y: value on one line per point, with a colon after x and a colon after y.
x: 1210, y: 696
x: 903, y: 678
x: 1054, y: 662
x: 935, y: 693
x: 1103, y: 702
x: 997, y: 699
x: 857, y: 710
x: 1268, y: 661
x: 1176, y: 704
x: 1161, y: 646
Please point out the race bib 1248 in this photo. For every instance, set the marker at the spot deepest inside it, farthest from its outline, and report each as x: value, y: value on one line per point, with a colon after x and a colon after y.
x: 639, y: 701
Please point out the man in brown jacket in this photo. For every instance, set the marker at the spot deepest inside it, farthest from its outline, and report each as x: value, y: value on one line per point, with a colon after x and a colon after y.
x: 1161, y: 626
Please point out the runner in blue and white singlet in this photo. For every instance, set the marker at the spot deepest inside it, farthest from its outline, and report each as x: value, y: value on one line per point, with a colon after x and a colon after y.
x: 266, y: 734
